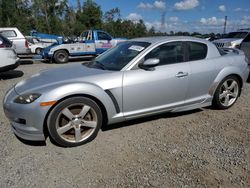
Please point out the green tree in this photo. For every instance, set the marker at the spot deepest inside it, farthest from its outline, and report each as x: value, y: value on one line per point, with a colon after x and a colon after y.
x: 12, y: 10
x: 89, y: 17
x: 49, y: 15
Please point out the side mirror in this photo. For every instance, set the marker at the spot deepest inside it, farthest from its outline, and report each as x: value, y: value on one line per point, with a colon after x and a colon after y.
x: 149, y: 64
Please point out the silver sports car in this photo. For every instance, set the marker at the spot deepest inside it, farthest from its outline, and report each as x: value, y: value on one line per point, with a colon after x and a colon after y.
x: 137, y: 78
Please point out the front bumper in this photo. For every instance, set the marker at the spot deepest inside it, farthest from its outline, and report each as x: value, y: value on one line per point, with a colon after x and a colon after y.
x: 27, y: 120
x: 27, y: 133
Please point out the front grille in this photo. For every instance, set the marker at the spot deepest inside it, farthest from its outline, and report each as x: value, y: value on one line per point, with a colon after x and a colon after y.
x: 219, y: 45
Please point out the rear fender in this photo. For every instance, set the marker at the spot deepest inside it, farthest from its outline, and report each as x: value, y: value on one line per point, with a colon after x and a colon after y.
x: 223, y: 74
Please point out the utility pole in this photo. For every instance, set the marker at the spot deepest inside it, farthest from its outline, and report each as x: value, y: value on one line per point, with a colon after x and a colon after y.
x: 79, y: 5
x: 163, y: 19
x: 225, y: 25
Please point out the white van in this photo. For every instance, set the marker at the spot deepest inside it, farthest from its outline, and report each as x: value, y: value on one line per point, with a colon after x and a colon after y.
x: 20, y: 44
x: 8, y: 56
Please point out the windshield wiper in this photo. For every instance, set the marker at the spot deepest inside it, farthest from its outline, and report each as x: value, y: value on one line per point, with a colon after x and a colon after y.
x: 102, y: 66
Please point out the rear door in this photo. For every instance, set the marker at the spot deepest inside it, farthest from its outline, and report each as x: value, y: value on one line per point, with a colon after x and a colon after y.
x: 245, y: 46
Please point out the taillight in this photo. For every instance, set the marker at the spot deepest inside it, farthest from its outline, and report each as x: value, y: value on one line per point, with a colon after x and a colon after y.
x: 26, y: 44
x: 3, y: 46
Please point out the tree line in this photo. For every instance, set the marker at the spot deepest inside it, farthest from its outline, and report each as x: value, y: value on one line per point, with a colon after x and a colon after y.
x: 58, y: 17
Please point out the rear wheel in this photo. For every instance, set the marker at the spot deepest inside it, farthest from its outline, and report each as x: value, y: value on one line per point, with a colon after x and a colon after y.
x: 61, y: 56
x: 75, y: 121
x: 226, y: 93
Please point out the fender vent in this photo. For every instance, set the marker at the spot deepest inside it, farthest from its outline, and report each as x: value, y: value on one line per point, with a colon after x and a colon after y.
x: 117, y: 108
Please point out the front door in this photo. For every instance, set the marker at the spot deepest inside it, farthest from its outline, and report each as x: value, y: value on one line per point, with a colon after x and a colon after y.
x: 158, y: 89
x: 102, y: 42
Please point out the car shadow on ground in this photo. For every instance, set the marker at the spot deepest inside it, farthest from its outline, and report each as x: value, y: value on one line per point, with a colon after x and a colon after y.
x: 11, y: 74
x: 138, y: 121
x: 31, y: 143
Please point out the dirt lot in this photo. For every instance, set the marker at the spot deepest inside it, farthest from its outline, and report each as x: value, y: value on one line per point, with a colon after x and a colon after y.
x: 201, y: 148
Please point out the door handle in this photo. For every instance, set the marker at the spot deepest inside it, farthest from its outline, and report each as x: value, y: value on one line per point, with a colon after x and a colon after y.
x: 181, y: 74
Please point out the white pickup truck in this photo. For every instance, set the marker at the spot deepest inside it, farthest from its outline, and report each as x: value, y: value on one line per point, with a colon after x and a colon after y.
x: 20, y: 44
x: 91, y: 42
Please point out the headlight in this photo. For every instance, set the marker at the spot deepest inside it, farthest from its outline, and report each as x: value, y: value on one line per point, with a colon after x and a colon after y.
x: 27, y: 98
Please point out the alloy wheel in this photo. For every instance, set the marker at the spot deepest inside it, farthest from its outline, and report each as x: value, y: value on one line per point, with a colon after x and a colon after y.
x: 229, y: 92
x: 76, y: 123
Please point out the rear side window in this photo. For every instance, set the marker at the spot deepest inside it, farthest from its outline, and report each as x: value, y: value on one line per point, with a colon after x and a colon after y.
x: 247, y: 39
x: 196, y: 51
x: 8, y: 33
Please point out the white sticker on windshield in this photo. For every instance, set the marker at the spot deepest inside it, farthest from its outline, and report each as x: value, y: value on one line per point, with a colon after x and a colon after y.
x: 136, y: 48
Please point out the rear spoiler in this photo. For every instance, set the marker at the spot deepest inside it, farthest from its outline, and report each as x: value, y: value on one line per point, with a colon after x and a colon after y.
x: 233, y: 50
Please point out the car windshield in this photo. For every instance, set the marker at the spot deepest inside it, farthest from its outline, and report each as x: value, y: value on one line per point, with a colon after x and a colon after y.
x: 239, y: 35
x: 118, y: 57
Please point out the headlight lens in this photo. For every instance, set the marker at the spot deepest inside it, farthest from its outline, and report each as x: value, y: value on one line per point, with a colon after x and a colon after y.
x: 27, y: 98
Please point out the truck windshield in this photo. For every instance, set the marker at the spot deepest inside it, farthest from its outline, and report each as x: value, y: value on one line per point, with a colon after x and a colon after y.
x: 118, y: 57
x: 238, y: 35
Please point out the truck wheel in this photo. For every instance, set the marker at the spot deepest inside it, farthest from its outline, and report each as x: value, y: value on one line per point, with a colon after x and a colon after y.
x: 61, y: 56
x: 38, y: 50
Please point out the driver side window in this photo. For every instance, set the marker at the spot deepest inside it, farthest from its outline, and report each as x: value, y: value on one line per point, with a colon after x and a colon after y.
x: 103, y: 36
x: 168, y: 53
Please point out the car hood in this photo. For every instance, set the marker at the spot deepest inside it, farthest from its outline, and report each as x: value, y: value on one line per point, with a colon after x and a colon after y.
x: 63, y: 75
x: 227, y: 40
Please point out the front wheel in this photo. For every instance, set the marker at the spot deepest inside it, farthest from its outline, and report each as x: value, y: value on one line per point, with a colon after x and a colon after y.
x: 226, y: 93
x: 61, y: 56
x: 75, y: 121
x: 38, y: 50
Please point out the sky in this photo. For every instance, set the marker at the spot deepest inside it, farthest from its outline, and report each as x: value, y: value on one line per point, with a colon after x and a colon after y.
x: 202, y: 16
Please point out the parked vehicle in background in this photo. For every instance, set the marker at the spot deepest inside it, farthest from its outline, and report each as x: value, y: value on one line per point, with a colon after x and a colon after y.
x: 137, y: 78
x: 36, y: 45
x: 20, y: 43
x: 232, y: 40
x: 245, y: 46
x: 44, y: 37
x: 91, y: 42
x: 8, y: 56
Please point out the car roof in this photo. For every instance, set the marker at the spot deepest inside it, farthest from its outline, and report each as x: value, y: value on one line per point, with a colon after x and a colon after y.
x: 7, y: 28
x: 159, y: 39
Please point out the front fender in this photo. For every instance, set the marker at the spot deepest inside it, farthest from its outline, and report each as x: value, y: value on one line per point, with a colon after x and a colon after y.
x: 57, y: 93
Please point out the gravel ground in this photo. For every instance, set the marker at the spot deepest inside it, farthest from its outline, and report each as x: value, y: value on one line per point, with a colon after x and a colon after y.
x: 201, y: 148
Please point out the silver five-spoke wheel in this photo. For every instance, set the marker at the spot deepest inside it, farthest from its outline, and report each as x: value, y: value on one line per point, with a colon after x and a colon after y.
x: 75, y: 121
x: 227, y: 92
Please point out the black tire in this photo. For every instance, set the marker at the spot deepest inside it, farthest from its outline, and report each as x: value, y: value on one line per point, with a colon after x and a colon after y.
x: 61, y: 56
x: 59, y: 124
x: 219, y: 102
x: 38, y: 50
